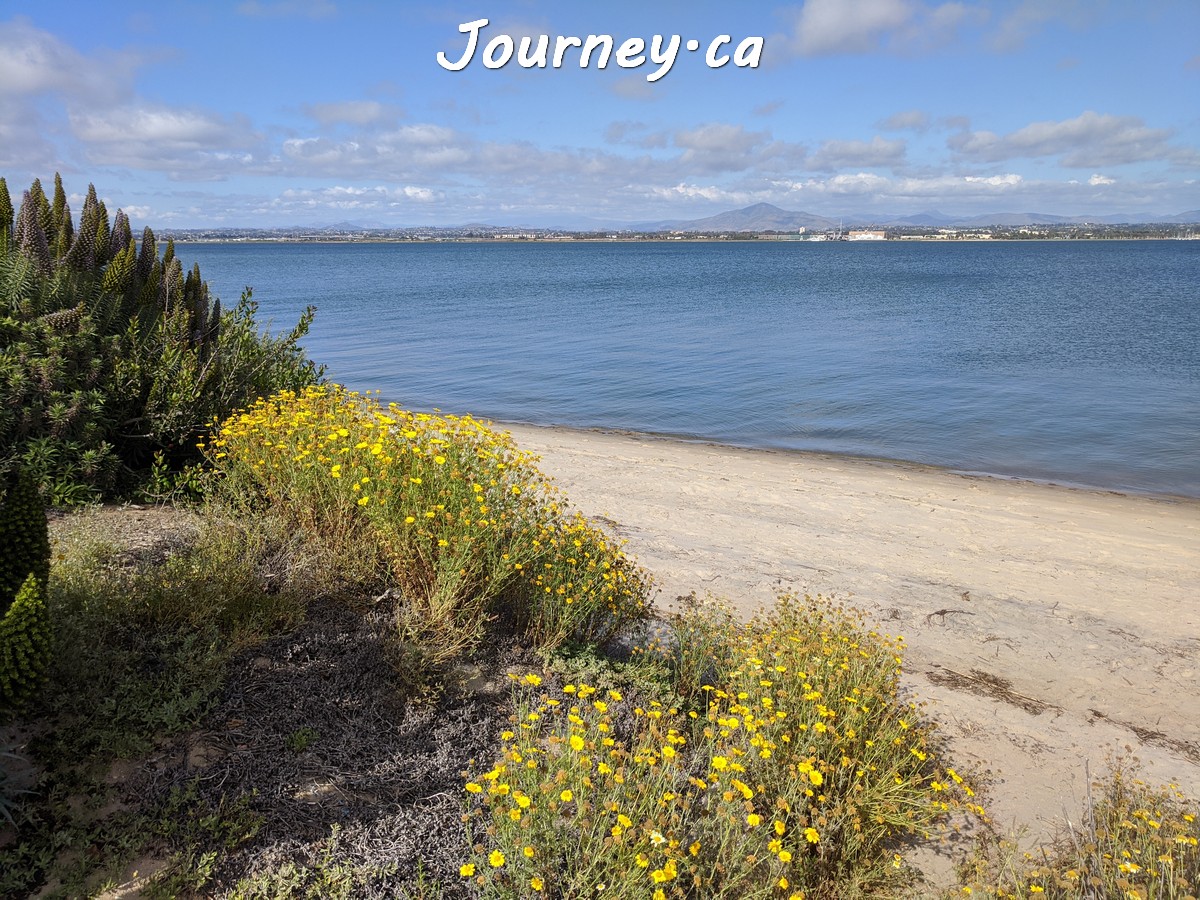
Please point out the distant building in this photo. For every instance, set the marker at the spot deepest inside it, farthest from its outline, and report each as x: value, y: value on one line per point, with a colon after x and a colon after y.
x: 867, y: 236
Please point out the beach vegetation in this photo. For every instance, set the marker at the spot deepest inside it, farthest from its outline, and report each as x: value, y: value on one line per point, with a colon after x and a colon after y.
x: 111, y: 355
x: 444, y: 511
x: 794, y: 770
x: 1134, y: 840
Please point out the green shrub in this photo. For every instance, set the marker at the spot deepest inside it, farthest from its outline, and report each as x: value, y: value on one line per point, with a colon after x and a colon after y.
x: 24, y: 570
x: 110, y: 354
x: 24, y: 537
x: 24, y: 644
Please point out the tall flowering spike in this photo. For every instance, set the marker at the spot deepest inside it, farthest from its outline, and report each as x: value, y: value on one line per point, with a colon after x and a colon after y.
x: 195, y: 297
x: 148, y: 295
x: 103, y: 235
x: 60, y: 230
x: 82, y: 255
x: 119, y: 275
x: 121, y: 236
x: 147, y: 255
x: 168, y: 252
x: 6, y: 210
x: 31, y: 239
x: 63, y: 236
x: 90, y: 213
x: 43, y: 205
x: 214, y: 321
x: 172, y: 285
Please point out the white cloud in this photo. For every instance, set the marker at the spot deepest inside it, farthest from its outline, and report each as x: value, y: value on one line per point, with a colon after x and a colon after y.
x: 1030, y: 16
x: 1086, y: 141
x: 909, y: 120
x: 157, y: 125
x: 858, y: 154
x: 994, y: 180
x: 834, y: 26
x: 828, y: 27
x: 351, y: 112
x: 719, y: 147
x: 1098, y: 180
x: 35, y: 62
x: 692, y: 192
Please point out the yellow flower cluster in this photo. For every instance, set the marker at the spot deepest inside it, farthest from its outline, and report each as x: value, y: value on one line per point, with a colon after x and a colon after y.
x: 799, y: 760
x: 452, y: 508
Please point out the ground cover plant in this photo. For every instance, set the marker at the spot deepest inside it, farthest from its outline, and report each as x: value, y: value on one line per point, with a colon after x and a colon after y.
x: 792, y: 773
x: 142, y: 640
x: 1134, y: 841
x: 443, y: 508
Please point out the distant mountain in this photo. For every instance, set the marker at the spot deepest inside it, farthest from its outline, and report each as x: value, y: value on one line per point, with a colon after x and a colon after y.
x: 1186, y: 218
x: 759, y: 217
x: 925, y: 219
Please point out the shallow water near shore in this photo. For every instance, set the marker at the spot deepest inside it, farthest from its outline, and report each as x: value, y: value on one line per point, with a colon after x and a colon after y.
x: 1076, y: 362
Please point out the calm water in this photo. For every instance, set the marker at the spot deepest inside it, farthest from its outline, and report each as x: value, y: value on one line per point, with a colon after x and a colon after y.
x: 1074, y: 362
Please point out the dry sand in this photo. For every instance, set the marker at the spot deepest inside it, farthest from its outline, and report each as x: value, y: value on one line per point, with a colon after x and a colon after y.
x: 1048, y: 627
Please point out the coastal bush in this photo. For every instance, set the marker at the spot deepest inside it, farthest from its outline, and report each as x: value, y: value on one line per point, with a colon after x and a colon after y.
x: 24, y: 644
x: 24, y: 570
x: 794, y: 777
x: 444, y: 508
x: 109, y: 353
x: 24, y: 535
x: 1135, y: 840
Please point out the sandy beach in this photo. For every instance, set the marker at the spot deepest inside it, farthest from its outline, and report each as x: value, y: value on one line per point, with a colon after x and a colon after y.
x: 1048, y: 627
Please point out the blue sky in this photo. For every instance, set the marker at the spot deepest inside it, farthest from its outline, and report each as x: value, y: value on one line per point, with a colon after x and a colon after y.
x: 281, y: 112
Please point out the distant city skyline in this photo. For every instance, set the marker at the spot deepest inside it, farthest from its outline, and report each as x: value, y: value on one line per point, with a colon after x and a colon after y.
x: 269, y: 113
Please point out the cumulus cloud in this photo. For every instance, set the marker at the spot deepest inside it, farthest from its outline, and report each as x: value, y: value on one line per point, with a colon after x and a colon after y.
x: 181, y: 142
x: 35, y: 62
x: 828, y: 27
x: 351, y: 112
x: 635, y: 133
x: 377, y: 199
x: 909, y: 120
x: 1089, y: 140
x: 1098, y: 180
x: 834, y: 155
x: 684, y: 191
x: 719, y: 147
x: 1030, y: 16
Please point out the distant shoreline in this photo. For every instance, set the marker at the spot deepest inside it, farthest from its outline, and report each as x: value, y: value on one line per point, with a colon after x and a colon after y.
x: 660, y: 240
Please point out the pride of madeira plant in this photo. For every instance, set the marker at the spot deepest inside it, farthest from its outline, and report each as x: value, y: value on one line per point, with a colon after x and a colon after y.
x: 24, y: 571
x: 110, y: 354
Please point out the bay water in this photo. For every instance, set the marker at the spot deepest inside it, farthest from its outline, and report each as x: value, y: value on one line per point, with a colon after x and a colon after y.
x: 1076, y: 362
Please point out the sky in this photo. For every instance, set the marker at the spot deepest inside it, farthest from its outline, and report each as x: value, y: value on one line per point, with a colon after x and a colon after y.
x: 265, y: 113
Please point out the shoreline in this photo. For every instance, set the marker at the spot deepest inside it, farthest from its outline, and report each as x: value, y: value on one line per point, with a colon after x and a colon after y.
x: 1047, y: 627
x: 833, y: 456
